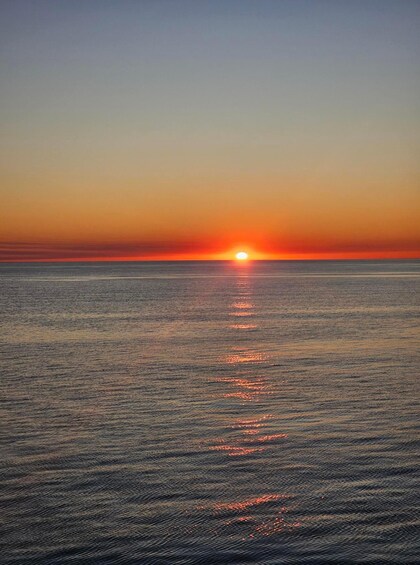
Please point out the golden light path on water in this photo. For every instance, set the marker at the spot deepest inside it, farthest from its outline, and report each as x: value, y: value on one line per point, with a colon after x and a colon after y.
x: 250, y: 433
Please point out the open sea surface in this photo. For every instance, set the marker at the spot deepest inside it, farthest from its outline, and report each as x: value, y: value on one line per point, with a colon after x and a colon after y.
x: 209, y: 413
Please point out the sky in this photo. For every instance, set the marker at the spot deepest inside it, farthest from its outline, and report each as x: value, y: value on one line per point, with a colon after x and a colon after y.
x: 178, y: 129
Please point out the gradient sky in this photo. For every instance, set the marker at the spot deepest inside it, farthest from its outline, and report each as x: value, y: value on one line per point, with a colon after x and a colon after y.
x: 190, y: 129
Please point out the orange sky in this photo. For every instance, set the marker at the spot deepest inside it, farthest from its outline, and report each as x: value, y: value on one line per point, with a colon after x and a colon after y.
x: 131, y: 132
x: 203, y: 219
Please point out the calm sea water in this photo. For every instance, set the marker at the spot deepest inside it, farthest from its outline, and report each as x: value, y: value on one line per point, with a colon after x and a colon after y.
x: 184, y: 413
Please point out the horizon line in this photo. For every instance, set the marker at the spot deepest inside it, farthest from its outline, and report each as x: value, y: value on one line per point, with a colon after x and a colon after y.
x: 220, y: 260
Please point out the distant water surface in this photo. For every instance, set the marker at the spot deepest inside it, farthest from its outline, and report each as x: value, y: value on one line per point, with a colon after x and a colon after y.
x: 208, y: 413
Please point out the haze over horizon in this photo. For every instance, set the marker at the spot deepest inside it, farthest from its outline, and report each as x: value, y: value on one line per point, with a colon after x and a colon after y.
x: 176, y: 130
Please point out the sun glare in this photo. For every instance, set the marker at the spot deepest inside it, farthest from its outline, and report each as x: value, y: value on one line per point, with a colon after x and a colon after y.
x: 241, y: 256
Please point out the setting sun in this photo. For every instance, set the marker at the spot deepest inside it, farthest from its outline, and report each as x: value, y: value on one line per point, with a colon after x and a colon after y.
x: 241, y: 256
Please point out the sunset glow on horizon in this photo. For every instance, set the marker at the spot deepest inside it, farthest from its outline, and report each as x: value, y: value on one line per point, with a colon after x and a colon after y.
x: 191, y: 131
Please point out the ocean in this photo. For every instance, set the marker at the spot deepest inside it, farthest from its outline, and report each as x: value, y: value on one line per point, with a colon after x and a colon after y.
x: 210, y: 412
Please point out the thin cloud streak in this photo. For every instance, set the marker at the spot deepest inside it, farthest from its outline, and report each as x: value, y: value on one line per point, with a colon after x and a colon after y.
x: 175, y: 250
x: 33, y: 251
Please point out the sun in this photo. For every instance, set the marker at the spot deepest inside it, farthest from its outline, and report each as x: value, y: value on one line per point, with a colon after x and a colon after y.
x: 241, y: 256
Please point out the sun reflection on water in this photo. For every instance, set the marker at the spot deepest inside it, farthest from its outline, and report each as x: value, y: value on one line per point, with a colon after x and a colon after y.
x: 245, y: 356
x: 252, y: 432
x: 243, y: 305
x: 241, y: 505
x: 243, y: 326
